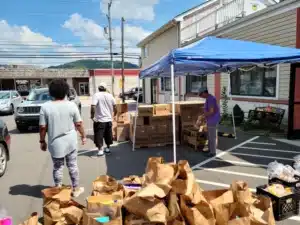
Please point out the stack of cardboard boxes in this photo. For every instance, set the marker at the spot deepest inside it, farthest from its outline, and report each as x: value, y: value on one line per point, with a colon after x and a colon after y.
x: 121, y: 123
x: 189, y: 112
x: 153, y: 126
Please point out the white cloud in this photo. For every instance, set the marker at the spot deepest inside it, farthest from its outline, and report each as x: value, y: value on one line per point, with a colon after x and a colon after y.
x: 92, y: 33
x: 131, y: 9
x: 21, y: 40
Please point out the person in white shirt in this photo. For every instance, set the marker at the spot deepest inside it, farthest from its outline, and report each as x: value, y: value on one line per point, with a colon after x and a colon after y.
x: 103, y: 110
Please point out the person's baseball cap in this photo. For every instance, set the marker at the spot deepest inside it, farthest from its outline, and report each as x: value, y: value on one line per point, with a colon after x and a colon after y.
x: 202, y: 90
x: 103, y: 85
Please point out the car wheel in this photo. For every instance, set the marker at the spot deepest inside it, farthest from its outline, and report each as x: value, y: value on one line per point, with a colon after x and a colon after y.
x: 12, y: 109
x: 3, y: 159
x: 22, y: 128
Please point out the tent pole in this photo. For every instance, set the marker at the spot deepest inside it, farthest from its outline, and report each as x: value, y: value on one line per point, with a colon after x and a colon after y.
x: 136, y: 114
x: 173, y: 112
x: 232, y: 114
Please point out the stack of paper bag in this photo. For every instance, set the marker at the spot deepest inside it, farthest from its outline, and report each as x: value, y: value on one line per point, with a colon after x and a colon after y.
x: 59, y: 208
x: 165, y: 186
x: 236, y: 206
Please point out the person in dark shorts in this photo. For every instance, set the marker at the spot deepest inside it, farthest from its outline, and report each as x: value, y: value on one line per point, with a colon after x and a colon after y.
x: 103, y: 110
x: 60, y: 119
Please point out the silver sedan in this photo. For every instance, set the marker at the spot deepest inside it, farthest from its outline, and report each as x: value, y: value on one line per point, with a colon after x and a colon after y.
x: 9, y: 100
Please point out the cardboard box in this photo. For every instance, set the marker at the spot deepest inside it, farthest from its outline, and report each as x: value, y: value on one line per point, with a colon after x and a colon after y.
x: 104, y: 204
x: 90, y: 219
x: 122, y: 107
x: 123, y: 132
x: 145, y: 110
x: 162, y: 109
x: 123, y: 117
x: 140, y: 120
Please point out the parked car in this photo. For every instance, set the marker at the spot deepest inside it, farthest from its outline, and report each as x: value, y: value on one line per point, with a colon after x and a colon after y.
x: 27, y: 113
x: 4, y: 147
x: 130, y: 93
x: 9, y: 100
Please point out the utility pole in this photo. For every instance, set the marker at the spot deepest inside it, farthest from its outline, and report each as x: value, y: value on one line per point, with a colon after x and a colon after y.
x: 110, y: 48
x: 123, y: 77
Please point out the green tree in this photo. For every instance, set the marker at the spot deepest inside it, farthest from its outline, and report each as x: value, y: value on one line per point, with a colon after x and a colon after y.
x: 225, y: 99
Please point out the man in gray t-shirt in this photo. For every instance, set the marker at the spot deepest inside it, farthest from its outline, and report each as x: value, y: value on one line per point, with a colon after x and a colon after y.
x: 59, y: 119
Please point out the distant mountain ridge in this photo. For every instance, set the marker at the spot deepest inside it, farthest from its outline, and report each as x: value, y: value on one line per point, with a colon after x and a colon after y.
x: 94, y: 64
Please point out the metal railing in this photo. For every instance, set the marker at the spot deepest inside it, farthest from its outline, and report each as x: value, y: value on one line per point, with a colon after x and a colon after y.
x: 222, y: 16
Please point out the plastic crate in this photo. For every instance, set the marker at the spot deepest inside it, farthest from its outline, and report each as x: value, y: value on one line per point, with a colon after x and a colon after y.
x: 285, y: 183
x: 283, y: 207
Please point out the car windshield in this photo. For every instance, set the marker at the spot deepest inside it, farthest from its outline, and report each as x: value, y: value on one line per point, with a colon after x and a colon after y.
x: 39, y: 96
x: 5, y: 95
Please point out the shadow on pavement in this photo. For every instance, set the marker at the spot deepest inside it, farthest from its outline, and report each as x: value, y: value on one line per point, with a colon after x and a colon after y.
x: 124, y: 162
x: 27, y: 190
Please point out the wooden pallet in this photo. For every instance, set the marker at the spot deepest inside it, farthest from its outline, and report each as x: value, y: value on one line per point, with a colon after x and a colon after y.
x: 193, y: 132
x: 228, y: 135
x: 155, y: 145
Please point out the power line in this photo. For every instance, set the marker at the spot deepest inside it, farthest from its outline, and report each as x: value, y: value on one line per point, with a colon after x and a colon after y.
x: 63, y: 57
x: 60, y: 45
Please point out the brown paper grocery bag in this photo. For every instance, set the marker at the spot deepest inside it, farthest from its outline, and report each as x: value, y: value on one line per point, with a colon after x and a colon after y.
x: 73, y: 214
x: 240, y: 221
x: 200, y: 214
x: 131, y: 185
x: 133, y: 180
x: 159, y: 173
x: 147, y: 203
x: 261, y: 212
x: 105, y: 184
x: 185, y: 183
x: 105, y: 204
x: 62, y: 194
x: 175, y: 216
x: 33, y: 220
x: 241, y: 192
x: 132, y: 219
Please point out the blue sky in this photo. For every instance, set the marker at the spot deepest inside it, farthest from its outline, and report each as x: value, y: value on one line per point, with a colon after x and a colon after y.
x: 82, y: 21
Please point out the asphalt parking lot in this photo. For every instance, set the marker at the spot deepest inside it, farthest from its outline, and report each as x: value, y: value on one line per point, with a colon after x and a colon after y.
x: 30, y: 170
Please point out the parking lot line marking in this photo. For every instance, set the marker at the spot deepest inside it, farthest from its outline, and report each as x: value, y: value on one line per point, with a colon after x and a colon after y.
x: 296, y: 218
x: 270, y: 150
x: 223, y: 153
x: 262, y: 143
x: 262, y: 156
x: 233, y: 172
x: 239, y: 163
x: 218, y: 184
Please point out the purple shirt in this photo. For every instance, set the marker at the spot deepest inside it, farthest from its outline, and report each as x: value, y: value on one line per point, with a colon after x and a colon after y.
x: 214, y: 119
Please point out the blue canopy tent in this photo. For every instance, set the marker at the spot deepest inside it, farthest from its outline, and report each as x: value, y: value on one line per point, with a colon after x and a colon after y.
x: 211, y: 55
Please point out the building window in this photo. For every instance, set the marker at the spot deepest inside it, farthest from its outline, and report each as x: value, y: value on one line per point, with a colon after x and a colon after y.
x: 165, y: 84
x: 260, y: 82
x: 145, y: 51
x: 193, y: 83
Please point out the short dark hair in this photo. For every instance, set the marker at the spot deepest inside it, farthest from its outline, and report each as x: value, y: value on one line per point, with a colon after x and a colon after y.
x: 59, y: 89
x: 101, y: 89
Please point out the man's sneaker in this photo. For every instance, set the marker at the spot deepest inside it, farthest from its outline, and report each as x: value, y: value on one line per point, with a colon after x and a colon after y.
x: 77, y: 191
x: 107, y: 151
x: 100, y: 153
